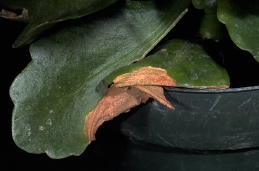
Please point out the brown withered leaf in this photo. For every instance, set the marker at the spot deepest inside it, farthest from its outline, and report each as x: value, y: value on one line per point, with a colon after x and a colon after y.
x: 145, y: 76
x: 115, y: 101
x: 129, y: 90
x: 157, y: 93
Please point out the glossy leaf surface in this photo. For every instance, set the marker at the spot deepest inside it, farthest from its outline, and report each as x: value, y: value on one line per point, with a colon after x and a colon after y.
x: 210, y: 6
x: 210, y: 27
x: 44, y: 14
x: 241, y: 19
x: 64, y: 80
x: 186, y: 63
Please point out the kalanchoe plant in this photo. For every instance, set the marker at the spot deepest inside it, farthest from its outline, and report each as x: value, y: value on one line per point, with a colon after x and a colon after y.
x: 88, y: 70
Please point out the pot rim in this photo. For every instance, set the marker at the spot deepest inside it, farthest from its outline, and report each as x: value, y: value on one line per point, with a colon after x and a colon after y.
x: 209, y: 91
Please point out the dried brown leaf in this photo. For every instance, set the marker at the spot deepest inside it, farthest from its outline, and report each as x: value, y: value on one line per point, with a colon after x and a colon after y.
x: 128, y: 91
x: 157, y: 93
x: 115, y: 101
x: 145, y: 76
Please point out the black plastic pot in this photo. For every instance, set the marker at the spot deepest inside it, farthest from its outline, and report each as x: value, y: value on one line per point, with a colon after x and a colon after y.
x: 208, y: 130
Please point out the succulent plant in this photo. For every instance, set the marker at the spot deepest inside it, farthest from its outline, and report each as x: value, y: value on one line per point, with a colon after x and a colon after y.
x: 93, y: 60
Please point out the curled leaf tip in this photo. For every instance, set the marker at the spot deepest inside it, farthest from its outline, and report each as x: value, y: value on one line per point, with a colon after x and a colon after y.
x: 115, y: 101
x: 157, y: 93
x: 129, y: 90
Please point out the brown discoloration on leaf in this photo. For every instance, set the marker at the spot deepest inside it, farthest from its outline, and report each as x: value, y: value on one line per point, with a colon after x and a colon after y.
x: 115, y: 101
x: 145, y: 76
x: 128, y: 91
x: 157, y: 93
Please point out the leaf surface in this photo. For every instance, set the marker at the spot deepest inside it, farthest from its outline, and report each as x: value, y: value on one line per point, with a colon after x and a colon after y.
x: 241, y: 19
x: 118, y: 100
x: 177, y: 64
x: 115, y: 101
x: 186, y: 63
x: 43, y: 14
x: 210, y: 27
x: 64, y: 80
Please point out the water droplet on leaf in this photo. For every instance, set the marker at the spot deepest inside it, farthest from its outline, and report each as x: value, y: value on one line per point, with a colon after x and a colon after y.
x: 49, y: 122
x: 41, y: 128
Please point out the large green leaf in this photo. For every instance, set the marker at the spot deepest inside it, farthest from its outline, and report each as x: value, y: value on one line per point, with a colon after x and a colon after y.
x: 63, y: 82
x: 44, y: 14
x: 186, y: 63
x: 242, y: 21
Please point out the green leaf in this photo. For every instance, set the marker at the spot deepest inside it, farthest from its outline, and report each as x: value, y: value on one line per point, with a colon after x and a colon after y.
x: 199, y: 4
x: 186, y: 63
x: 210, y: 27
x: 64, y: 80
x: 43, y: 14
x: 242, y: 20
x: 210, y: 7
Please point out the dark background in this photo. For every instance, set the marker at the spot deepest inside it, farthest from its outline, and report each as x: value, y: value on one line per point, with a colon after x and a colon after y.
x: 108, y: 151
